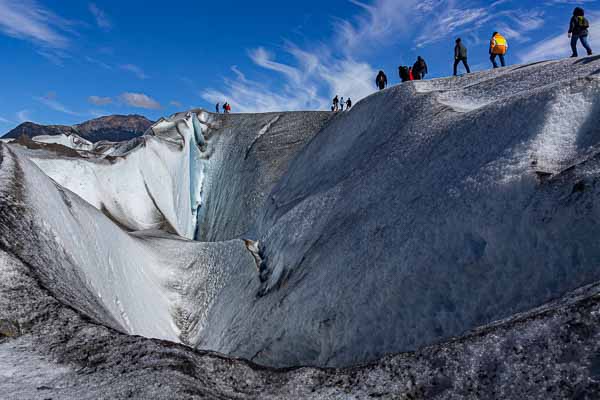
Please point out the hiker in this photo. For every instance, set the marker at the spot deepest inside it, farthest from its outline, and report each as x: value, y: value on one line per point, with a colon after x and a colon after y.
x: 404, y: 73
x: 226, y: 108
x: 498, y: 48
x: 381, y: 80
x: 336, y: 103
x: 419, y: 69
x: 348, y: 104
x: 578, y: 31
x: 217, y: 107
x: 342, y: 104
x: 460, y: 54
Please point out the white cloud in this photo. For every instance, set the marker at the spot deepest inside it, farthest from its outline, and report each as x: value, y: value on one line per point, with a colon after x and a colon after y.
x: 51, y: 102
x: 176, y: 104
x: 102, y: 19
x: 5, y: 121
x: 28, y: 20
x: 98, y: 113
x: 99, y: 101
x: 98, y: 62
x: 307, y: 84
x: 137, y: 71
x: 376, y: 23
x: 23, y: 116
x: 140, y: 100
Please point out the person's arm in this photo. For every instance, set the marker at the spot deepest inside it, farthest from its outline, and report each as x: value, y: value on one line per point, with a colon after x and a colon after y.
x: 571, y: 26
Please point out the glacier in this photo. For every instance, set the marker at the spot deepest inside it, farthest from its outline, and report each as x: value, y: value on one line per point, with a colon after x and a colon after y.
x: 450, y: 222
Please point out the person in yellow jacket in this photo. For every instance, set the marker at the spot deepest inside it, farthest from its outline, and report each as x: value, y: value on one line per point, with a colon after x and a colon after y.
x: 498, y: 48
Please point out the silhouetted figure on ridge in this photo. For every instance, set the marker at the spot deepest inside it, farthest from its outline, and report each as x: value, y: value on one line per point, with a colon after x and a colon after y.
x: 348, y: 104
x: 460, y: 55
x: 336, y: 103
x: 381, y: 80
x: 419, y: 69
x: 218, y: 108
x: 578, y: 31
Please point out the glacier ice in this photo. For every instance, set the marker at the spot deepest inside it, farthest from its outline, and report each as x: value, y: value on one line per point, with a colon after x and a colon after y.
x: 428, y: 209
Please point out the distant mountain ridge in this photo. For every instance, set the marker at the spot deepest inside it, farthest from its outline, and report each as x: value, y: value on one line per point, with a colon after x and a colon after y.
x: 114, y: 128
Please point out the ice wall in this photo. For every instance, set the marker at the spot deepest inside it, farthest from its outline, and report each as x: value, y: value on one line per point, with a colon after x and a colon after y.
x: 153, y: 182
x: 428, y: 209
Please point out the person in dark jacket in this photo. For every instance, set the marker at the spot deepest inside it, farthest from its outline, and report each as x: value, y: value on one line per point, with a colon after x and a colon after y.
x: 381, y: 80
x: 336, y: 103
x: 578, y: 31
x: 419, y: 69
x: 404, y: 73
x: 460, y: 54
x: 217, y: 108
x: 348, y: 104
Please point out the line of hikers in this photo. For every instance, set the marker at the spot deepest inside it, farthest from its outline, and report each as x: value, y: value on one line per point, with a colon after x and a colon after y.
x: 338, y: 104
x: 226, y: 108
x: 578, y: 32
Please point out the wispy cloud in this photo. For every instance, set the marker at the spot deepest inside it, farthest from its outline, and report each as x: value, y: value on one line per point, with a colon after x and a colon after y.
x: 102, y: 64
x: 375, y: 24
x: 137, y: 71
x: 99, y: 101
x: 98, y: 113
x: 51, y: 102
x: 29, y: 20
x: 100, y: 16
x: 175, y: 103
x: 23, y: 116
x: 5, y: 121
x: 140, y: 100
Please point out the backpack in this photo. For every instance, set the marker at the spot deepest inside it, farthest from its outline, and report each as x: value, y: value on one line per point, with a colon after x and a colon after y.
x: 583, y: 23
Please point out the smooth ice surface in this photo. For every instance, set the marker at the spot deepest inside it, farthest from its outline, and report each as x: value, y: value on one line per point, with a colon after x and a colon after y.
x: 151, y: 182
x: 427, y: 209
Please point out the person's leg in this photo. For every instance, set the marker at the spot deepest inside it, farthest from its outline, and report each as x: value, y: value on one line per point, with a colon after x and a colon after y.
x: 493, y: 60
x: 574, y: 45
x: 456, y: 67
x: 466, y: 64
x: 502, y: 61
x: 585, y: 43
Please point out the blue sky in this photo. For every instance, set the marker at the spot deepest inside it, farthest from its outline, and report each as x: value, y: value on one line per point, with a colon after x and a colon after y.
x: 68, y: 61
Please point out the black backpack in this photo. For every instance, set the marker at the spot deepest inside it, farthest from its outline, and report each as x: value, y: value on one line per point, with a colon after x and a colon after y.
x: 404, y: 73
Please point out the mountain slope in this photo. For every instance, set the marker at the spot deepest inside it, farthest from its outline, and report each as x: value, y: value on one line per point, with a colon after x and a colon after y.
x: 113, y: 128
